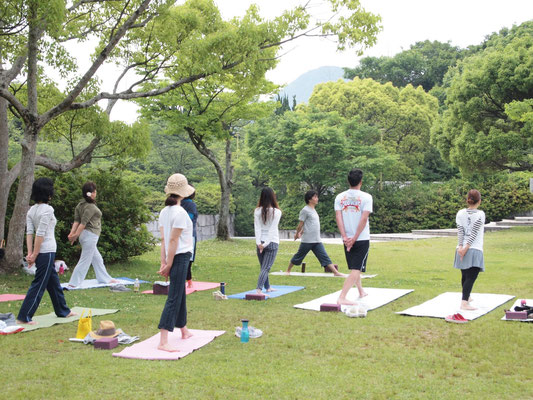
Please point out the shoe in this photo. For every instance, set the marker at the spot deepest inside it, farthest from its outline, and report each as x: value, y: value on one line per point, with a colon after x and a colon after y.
x: 119, y: 288
x: 456, y: 319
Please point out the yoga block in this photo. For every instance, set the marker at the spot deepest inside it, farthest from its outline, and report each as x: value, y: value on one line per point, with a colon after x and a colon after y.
x: 330, y: 307
x: 160, y: 289
x: 106, y: 343
x: 254, y: 296
x: 515, y: 314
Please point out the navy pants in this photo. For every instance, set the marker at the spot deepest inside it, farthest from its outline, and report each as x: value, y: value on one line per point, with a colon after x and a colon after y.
x: 175, y: 312
x: 46, y: 278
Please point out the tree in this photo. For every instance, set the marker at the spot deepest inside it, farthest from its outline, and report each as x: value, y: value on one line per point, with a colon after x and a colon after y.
x: 488, y: 121
x: 143, y: 36
x: 424, y: 64
x: 403, y: 116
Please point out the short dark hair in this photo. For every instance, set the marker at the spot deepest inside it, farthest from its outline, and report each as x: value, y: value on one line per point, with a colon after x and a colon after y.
x: 88, y: 187
x: 42, y: 190
x: 309, y: 195
x: 355, y: 176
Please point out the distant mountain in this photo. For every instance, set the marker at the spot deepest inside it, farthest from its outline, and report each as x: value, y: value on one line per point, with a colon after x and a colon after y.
x: 303, y: 86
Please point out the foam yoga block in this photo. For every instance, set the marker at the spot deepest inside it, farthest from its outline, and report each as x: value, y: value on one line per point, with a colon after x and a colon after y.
x: 330, y: 307
x: 161, y: 288
x: 106, y: 343
x: 515, y: 314
x: 255, y: 296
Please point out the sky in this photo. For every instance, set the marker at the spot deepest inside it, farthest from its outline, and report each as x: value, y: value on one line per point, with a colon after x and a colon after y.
x: 405, y: 22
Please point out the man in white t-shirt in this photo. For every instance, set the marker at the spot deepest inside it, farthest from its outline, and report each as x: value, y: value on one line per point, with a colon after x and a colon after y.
x: 352, y: 209
x: 309, y: 230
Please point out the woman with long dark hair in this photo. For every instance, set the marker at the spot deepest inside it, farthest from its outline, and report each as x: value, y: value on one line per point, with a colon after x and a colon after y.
x: 469, y: 251
x: 41, y: 222
x: 176, y: 231
x: 266, y: 220
x: 87, y: 227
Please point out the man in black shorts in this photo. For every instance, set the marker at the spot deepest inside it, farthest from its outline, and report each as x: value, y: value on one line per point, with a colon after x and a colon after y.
x: 352, y: 209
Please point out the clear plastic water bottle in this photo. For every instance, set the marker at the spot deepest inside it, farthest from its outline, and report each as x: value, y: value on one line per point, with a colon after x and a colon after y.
x: 136, y: 285
x: 245, y: 334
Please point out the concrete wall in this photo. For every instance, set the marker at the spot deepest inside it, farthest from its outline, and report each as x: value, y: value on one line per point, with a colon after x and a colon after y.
x: 206, y: 227
x: 289, y: 234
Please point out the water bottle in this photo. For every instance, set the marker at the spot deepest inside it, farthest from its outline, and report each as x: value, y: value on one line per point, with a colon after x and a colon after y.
x: 303, y: 267
x: 136, y: 285
x: 245, y: 334
x: 223, y: 287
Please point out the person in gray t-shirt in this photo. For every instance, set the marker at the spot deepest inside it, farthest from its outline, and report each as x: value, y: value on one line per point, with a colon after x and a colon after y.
x: 309, y: 230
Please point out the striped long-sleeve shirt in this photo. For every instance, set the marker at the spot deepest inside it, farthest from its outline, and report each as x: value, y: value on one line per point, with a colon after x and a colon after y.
x: 470, y: 228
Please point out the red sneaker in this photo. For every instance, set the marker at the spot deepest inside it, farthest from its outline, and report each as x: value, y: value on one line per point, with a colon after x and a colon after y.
x: 456, y: 319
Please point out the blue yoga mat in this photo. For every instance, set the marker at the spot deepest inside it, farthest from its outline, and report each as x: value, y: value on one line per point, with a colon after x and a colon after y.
x: 280, y: 291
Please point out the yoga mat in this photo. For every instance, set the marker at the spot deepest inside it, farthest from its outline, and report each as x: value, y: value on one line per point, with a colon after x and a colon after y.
x: 280, y: 291
x: 529, y: 302
x: 196, y: 287
x: 147, y: 349
x: 448, y: 304
x: 316, y: 274
x: 93, y: 283
x: 11, y: 297
x: 47, y: 320
x: 377, y: 297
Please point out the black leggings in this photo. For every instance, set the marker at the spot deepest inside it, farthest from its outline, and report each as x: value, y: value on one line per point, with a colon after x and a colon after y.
x: 189, y: 271
x: 468, y: 277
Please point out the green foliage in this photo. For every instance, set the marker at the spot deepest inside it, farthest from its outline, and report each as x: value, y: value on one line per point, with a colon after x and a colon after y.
x: 207, y: 198
x: 124, y: 214
x: 434, y: 206
x: 424, y: 64
x: 403, y: 116
x: 487, y: 124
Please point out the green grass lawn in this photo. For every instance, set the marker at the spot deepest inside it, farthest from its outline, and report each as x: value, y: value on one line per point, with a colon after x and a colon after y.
x: 302, y: 354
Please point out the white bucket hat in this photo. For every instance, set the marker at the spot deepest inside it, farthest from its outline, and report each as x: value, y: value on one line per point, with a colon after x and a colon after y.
x: 177, y: 184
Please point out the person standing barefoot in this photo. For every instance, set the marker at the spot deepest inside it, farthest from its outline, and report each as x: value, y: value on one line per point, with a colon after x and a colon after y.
x: 176, y: 231
x: 469, y: 252
x: 352, y: 209
x: 266, y: 220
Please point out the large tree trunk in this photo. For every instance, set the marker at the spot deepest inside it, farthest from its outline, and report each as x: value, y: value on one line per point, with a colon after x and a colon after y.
x: 15, y: 239
x: 225, y: 180
x: 226, y: 183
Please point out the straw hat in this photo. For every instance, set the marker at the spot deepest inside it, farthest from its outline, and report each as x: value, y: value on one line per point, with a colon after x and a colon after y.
x: 107, y: 329
x: 177, y: 184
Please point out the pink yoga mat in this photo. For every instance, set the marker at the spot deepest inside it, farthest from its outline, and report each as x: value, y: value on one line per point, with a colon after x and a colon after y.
x: 11, y: 297
x: 196, y: 287
x: 147, y: 349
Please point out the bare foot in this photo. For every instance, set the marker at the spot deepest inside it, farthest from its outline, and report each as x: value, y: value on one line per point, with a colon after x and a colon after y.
x: 364, y: 294
x: 288, y: 272
x: 189, y: 284
x: 26, y: 323
x: 345, y: 302
x: 337, y: 273
x: 466, y: 306
x: 72, y: 314
x: 470, y: 299
x: 185, y: 333
x: 113, y: 281
x: 167, y: 347
x: 258, y: 291
x: 271, y: 290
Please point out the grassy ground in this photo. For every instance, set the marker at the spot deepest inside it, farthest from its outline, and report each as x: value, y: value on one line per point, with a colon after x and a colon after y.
x: 302, y: 354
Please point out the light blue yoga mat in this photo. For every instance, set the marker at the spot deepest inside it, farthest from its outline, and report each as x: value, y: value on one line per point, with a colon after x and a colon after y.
x: 280, y: 291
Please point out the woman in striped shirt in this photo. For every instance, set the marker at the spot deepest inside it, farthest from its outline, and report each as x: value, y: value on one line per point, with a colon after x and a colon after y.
x: 469, y: 253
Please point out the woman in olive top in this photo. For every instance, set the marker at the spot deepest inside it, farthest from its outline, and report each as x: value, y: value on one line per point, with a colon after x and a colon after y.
x: 87, y: 227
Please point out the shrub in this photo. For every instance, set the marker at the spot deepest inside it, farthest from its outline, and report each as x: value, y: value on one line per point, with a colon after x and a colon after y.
x: 124, y: 214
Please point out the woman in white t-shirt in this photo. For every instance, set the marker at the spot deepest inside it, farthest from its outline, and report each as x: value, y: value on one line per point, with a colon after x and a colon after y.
x: 42, y: 246
x: 266, y: 220
x: 469, y: 252
x: 176, y: 231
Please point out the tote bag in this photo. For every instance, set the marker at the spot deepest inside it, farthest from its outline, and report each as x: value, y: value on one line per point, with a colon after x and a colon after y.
x: 85, y: 325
